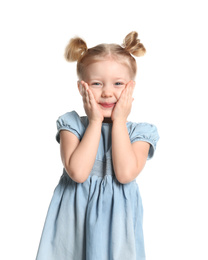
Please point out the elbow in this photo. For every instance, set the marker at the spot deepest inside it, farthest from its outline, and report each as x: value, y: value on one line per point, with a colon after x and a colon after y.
x: 126, y: 177
x: 76, y: 176
x: 123, y: 180
x: 78, y: 180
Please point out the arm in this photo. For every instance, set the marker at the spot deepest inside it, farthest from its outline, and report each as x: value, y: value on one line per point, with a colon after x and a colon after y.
x: 128, y: 159
x: 78, y: 157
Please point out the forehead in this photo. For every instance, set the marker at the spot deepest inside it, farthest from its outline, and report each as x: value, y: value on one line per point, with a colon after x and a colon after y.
x: 107, y: 68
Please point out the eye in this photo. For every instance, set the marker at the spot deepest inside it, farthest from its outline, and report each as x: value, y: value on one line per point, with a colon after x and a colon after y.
x: 96, y: 84
x: 119, y: 83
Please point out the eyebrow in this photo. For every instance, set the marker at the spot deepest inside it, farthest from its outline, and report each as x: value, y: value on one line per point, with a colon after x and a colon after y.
x: 117, y: 78
x: 120, y: 79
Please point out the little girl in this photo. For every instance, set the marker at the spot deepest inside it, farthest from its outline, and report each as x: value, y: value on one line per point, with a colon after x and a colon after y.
x: 96, y: 210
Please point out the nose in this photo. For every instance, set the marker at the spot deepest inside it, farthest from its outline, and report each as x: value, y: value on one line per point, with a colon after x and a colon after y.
x: 106, y: 91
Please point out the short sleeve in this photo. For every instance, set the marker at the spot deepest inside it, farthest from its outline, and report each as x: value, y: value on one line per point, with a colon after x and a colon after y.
x: 72, y: 122
x: 147, y: 133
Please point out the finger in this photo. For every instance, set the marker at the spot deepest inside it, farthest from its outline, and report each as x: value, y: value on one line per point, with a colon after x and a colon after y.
x: 91, y: 96
x: 131, y: 86
x: 127, y: 93
x: 85, y: 93
x: 84, y: 84
x: 82, y: 88
x: 123, y: 94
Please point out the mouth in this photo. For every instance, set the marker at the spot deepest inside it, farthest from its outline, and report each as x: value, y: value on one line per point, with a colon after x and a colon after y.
x: 107, y: 105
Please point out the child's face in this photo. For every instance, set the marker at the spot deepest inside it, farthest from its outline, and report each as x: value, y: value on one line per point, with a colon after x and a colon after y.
x: 107, y: 79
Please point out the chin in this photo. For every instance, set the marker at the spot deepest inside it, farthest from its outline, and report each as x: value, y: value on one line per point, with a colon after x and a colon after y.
x: 107, y: 114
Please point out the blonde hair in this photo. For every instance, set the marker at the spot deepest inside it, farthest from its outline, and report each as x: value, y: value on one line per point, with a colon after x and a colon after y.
x: 77, y: 50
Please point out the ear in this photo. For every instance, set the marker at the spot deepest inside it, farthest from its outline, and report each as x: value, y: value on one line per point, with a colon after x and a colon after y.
x: 80, y: 87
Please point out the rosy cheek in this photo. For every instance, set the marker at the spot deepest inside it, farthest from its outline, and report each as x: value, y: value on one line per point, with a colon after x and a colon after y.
x: 95, y: 94
x: 118, y: 94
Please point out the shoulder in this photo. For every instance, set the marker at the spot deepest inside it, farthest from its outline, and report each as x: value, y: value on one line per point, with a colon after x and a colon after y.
x: 146, y: 129
x: 72, y: 122
x: 144, y: 132
x: 68, y: 117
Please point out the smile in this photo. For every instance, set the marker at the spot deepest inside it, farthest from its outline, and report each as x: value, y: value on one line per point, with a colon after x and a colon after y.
x: 107, y: 105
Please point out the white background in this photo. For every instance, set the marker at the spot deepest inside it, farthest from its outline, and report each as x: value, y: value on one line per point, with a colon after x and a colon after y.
x: 38, y: 85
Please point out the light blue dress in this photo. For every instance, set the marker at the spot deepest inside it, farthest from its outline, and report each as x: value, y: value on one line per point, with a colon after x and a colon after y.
x: 100, y: 219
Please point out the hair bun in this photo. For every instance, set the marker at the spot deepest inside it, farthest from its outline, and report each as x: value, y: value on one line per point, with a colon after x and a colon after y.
x: 132, y: 44
x: 75, y: 49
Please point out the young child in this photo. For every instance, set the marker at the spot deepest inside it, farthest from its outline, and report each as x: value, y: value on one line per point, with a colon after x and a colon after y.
x: 96, y: 210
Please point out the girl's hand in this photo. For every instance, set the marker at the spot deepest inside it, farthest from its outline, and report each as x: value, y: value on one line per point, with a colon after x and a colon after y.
x: 90, y: 105
x: 123, y: 105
